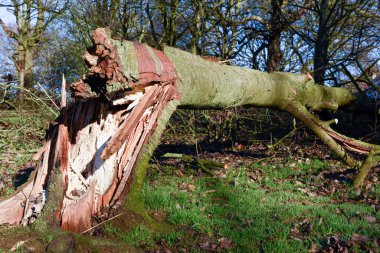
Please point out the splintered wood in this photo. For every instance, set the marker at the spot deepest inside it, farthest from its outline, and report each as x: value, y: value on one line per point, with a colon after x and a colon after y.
x: 104, y: 155
x: 95, y: 143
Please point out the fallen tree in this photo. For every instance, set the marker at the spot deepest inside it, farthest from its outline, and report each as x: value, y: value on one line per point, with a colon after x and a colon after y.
x: 96, y: 152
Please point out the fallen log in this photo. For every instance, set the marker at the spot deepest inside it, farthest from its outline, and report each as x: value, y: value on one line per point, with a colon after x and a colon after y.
x: 99, y: 147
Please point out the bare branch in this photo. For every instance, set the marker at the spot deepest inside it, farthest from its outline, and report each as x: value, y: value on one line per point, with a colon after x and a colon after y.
x: 9, y: 32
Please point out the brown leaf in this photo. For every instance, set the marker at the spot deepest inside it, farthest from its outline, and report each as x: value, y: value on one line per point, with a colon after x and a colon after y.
x: 377, y: 242
x: 159, y: 215
x: 311, y: 194
x: 314, y: 248
x: 301, y: 230
x: 225, y: 243
x: 204, y: 245
x: 370, y: 218
x: 179, y: 173
x: 358, y: 239
x: 190, y: 187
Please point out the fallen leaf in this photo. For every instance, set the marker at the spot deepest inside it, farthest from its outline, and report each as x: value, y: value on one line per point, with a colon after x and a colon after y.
x: 159, y: 215
x: 204, y: 245
x: 190, y: 187
x: 358, y: 239
x: 301, y: 229
x: 314, y: 248
x: 179, y: 173
x: 311, y: 194
x: 225, y: 243
x: 370, y: 219
x: 302, y: 190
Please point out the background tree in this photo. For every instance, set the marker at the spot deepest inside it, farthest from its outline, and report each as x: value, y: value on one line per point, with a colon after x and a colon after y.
x: 338, y: 32
x: 282, y: 15
x: 125, y: 18
x: 32, y: 19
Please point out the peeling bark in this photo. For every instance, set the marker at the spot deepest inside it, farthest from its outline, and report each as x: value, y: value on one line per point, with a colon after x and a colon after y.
x: 122, y: 106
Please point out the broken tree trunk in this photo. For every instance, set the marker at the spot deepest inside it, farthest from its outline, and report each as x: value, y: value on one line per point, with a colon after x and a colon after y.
x: 121, y: 108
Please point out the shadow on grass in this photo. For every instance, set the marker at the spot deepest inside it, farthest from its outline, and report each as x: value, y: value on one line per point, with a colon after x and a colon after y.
x: 253, y: 212
x: 22, y: 176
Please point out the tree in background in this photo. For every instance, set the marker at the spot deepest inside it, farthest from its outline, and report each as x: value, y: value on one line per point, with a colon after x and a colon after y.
x: 32, y: 19
x: 337, y: 39
x: 339, y: 33
x: 265, y: 24
x: 125, y: 18
x: 59, y: 54
x: 282, y: 15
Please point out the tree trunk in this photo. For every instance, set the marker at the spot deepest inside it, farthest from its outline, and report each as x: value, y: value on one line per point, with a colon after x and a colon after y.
x: 122, y: 106
x: 197, y: 29
x: 274, y: 41
x: 274, y: 53
x: 321, y: 44
x: 29, y: 76
x: 25, y: 67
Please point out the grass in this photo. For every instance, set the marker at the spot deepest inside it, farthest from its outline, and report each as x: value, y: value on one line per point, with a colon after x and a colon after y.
x: 21, y: 135
x: 265, y: 206
x: 256, y: 214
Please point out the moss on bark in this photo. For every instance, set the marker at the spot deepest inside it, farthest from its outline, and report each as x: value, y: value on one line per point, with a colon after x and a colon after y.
x: 371, y: 161
x: 134, y: 201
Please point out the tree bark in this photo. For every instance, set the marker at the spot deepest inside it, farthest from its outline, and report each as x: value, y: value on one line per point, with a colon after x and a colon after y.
x: 277, y: 26
x: 99, y: 147
x: 321, y: 44
x: 25, y: 67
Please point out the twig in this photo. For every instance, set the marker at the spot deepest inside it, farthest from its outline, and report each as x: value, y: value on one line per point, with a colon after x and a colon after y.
x: 18, y: 245
x: 224, y: 61
x: 101, y: 223
x: 272, y: 146
x: 56, y: 106
x: 39, y: 99
x: 63, y: 94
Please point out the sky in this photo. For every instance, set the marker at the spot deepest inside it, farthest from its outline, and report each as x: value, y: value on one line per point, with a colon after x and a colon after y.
x: 7, y: 17
x: 6, y: 64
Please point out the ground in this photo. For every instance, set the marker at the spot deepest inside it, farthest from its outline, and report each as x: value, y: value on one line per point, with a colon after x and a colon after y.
x: 273, y: 194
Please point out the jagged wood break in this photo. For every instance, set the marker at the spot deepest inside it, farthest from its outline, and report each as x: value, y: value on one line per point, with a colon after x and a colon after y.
x: 121, y: 108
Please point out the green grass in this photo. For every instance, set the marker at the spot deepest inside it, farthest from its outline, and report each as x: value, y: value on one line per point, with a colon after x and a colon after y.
x: 138, y: 235
x: 257, y: 206
x: 21, y: 135
x: 255, y: 214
